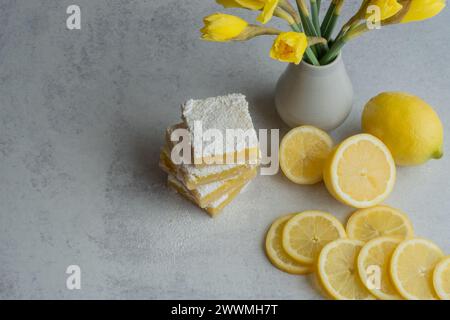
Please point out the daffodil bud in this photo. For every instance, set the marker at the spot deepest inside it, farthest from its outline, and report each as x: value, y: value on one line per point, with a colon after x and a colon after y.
x: 423, y: 9
x: 222, y: 27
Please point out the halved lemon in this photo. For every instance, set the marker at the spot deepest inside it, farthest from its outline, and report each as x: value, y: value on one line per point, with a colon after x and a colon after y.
x: 303, y: 152
x: 441, y: 279
x: 370, y: 223
x: 412, y: 266
x: 276, y: 253
x: 305, y: 234
x: 373, y: 267
x: 360, y: 172
x: 338, y: 272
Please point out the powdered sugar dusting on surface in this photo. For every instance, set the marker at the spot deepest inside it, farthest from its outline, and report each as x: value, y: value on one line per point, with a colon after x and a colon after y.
x: 221, y: 113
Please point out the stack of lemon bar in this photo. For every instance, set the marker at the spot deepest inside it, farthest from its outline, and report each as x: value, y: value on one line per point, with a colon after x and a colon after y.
x: 212, y: 177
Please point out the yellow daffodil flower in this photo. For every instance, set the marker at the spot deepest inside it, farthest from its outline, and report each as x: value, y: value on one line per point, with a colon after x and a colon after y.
x: 267, y: 6
x: 423, y: 9
x: 388, y: 8
x: 268, y: 10
x: 222, y: 27
x: 289, y: 47
x: 246, y: 4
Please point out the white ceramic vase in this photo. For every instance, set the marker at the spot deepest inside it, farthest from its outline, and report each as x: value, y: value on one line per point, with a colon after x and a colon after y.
x: 320, y: 96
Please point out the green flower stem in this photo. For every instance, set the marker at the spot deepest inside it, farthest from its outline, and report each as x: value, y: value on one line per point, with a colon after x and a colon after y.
x: 311, y: 27
x: 308, y: 29
x: 319, y: 2
x: 340, y: 35
x: 306, y: 20
x: 355, y: 19
x: 353, y: 32
x: 330, y: 28
x: 335, y: 12
x: 309, y: 52
x: 346, y: 29
x: 327, y: 18
x: 315, y: 16
x: 334, y: 51
x: 307, y: 25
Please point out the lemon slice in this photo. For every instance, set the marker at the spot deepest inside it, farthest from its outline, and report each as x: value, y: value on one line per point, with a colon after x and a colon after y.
x: 412, y: 266
x: 441, y: 279
x: 305, y: 234
x: 338, y: 273
x: 370, y: 223
x: 303, y: 152
x: 276, y: 253
x: 373, y: 267
x: 360, y: 172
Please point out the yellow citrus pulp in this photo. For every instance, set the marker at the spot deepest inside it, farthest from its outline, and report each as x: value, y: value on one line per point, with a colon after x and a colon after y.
x: 370, y: 223
x: 303, y: 151
x: 337, y: 269
x: 441, y: 279
x: 373, y: 267
x: 275, y: 252
x: 360, y: 172
x: 305, y: 234
x: 412, y: 266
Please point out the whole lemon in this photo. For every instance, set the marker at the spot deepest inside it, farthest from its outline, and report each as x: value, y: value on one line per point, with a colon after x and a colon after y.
x: 408, y: 126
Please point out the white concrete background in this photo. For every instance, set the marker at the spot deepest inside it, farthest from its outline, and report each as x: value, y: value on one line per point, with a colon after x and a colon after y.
x: 82, y: 118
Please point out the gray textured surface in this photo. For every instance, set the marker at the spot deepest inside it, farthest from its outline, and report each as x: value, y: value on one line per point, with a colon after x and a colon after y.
x: 82, y: 115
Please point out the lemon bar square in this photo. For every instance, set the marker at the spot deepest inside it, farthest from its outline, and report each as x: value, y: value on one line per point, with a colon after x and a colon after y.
x: 193, y: 176
x: 214, y: 208
x: 221, y: 114
x: 208, y: 193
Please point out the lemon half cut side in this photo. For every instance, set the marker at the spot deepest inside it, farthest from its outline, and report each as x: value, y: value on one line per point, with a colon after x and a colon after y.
x: 360, y: 172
